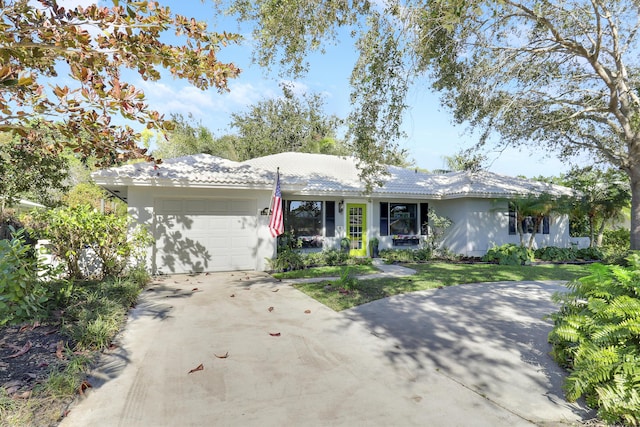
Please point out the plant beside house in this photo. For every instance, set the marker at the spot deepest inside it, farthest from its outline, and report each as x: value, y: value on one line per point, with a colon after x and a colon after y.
x: 596, y: 337
x: 56, y: 319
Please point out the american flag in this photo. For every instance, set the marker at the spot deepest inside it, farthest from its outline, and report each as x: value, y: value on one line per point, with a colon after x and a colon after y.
x: 276, y: 223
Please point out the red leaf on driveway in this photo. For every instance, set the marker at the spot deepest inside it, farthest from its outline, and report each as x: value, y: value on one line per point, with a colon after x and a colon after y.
x: 270, y: 309
x: 274, y: 334
x: 307, y: 311
x: 85, y: 385
x: 20, y: 352
x: 224, y: 356
x: 233, y: 295
x: 200, y: 367
x: 194, y: 289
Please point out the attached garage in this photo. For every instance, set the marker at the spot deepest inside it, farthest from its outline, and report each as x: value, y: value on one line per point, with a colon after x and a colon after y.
x: 196, y: 235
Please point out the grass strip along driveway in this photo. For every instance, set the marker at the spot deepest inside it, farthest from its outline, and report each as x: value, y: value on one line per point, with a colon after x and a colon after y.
x: 429, y: 276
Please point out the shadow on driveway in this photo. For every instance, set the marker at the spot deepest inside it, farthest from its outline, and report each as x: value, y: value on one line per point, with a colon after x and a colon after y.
x: 490, y: 337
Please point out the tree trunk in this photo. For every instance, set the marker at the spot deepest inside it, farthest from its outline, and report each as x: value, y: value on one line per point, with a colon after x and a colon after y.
x: 634, y: 175
x: 603, y: 225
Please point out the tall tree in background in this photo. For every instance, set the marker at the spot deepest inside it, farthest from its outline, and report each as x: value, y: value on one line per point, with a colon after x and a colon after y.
x: 94, y: 46
x: 466, y: 160
x: 289, y: 123
x: 559, y: 76
x: 188, y: 137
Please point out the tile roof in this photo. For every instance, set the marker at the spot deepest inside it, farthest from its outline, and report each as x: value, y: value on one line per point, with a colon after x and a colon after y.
x: 199, y: 168
x: 317, y: 174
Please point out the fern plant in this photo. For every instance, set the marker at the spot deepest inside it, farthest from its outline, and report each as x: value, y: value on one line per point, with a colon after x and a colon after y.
x: 596, y: 335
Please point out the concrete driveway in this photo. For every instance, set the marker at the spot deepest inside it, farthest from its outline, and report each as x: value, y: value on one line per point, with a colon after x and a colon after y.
x: 472, y: 355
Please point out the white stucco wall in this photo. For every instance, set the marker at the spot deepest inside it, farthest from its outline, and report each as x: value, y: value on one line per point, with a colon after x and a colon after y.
x: 480, y: 224
x: 141, y: 202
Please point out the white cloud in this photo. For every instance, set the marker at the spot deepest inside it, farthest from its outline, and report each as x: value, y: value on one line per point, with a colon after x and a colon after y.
x: 212, y: 108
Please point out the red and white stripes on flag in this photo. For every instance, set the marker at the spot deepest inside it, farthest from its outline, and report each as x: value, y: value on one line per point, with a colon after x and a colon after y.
x: 276, y: 223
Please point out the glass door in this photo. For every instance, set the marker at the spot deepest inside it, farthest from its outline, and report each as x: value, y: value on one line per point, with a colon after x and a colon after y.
x: 357, y: 223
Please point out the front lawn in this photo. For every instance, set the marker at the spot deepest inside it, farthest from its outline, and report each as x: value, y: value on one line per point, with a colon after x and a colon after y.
x: 433, y: 275
x: 326, y: 271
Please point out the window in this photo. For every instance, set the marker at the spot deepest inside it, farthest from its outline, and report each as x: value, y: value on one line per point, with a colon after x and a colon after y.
x: 528, y: 223
x: 304, y: 220
x: 400, y: 220
x: 403, y: 218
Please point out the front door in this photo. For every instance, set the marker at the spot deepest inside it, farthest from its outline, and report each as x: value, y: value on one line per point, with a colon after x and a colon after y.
x: 357, y: 223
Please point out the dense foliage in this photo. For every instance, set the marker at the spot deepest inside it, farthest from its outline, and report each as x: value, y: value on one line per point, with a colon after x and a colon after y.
x: 597, y: 336
x: 23, y: 294
x: 72, y: 231
x: 93, y: 47
x: 509, y: 254
x: 289, y: 259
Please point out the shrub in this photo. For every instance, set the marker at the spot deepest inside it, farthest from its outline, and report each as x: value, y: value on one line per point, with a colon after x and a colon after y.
x: 347, y: 280
x: 398, y: 255
x: 615, y: 245
x: 509, y: 254
x: 590, y: 254
x: 72, y: 230
x: 22, y: 294
x: 596, y: 335
x: 554, y: 253
x: 287, y: 259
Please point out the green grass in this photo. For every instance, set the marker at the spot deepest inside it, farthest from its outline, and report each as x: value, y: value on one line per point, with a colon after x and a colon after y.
x: 328, y: 271
x: 435, y: 275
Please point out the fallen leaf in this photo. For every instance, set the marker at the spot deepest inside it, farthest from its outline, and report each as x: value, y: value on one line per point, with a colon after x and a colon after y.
x: 23, y: 395
x: 224, y: 356
x: 270, y: 309
x: 307, y: 311
x: 20, y: 352
x: 233, y: 295
x: 200, y: 367
x: 275, y: 290
x: 59, y: 349
x: 12, y: 386
x: 85, y: 385
x: 194, y: 289
x: 274, y: 334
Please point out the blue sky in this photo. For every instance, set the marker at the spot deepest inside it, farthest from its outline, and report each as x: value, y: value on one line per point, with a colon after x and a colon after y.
x: 430, y: 133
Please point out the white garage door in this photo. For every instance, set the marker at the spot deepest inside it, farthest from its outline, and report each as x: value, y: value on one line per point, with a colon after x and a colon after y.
x: 196, y: 235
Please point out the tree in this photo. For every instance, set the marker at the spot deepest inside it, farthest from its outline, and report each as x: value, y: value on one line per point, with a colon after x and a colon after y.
x: 289, y: 123
x: 29, y: 171
x: 530, y: 211
x: 95, y: 45
x: 561, y: 76
x: 604, y: 196
x: 188, y: 137
x: 466, y: 161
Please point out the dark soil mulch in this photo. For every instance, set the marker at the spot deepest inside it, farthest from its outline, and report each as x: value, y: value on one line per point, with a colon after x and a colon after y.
x: 27, y: 355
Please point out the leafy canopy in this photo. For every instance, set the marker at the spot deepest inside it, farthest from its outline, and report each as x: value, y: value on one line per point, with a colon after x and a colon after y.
x: 40, y: 42
x: 555, y: 75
